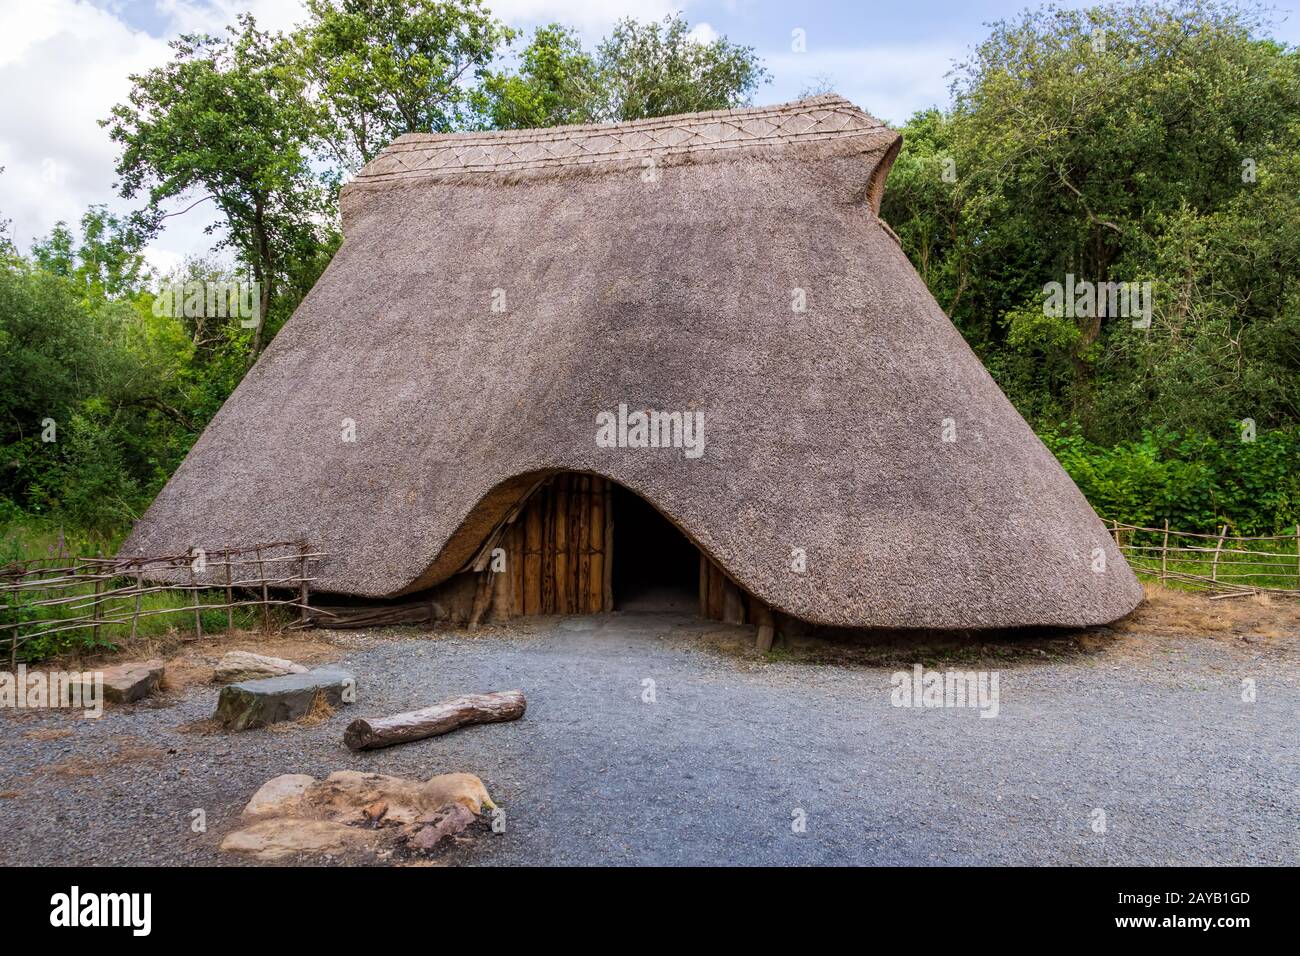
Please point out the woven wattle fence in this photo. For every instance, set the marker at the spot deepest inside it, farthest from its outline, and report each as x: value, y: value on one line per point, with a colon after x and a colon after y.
x: 43, y: 597
x: 1227, y: 565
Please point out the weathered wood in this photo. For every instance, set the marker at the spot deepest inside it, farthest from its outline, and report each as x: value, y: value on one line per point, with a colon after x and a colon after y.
x: 139, y: 593
x: 733, y: 606
x: 516, y: 558
x: 548, y: 551
x: 533, y: 558
x: 596, y: 547
x: 266, y: 598
x: 230, y: 595
x: 561, y: 546
x: 1214, y: 566
x: 482, y: 598
x: 371, y: 733
x: 1164, y: 556
x: 703, y: 585
x: 98, y: 611
x: 715, y: 592
x: 607, y: 585
x: 762, y: 616
x: 303, y: 593
x: 198, y: 615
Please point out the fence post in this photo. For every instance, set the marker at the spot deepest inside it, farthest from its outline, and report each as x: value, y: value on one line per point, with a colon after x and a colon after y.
x: 266, y: 600
x: 139, y: 593
x: 99, y: 586
x: 303, y: 594
x: 194, y: 585
x: 1164, y: 557
x: 1214, y: 567
x: 17, y: 607
x: 1297, y: 554
x: 230, y: 599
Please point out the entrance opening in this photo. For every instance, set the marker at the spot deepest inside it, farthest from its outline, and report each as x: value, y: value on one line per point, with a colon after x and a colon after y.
x: 655, y: 567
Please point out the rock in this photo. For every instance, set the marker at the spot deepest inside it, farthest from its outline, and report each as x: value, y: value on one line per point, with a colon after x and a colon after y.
x: 125, y: 683
x: 437, y: 826
x: 257, y: 703
x: 356, y: 813
x: 278, y: 837
x: 244, y: 665
x: 279, y: 796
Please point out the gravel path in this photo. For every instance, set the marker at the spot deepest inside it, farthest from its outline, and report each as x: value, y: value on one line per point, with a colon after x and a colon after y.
x: 715, y: 769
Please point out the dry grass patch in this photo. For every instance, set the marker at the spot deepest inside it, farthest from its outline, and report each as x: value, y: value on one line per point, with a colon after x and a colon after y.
x: 48, y: 733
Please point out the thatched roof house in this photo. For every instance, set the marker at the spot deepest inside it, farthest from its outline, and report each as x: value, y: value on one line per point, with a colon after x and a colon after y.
x: 499, y: 296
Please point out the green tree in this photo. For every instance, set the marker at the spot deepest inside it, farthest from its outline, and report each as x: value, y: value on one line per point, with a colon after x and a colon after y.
x: 555, y: 85
x: 1078, y: 140
x: 640, y: 70
x: 381, y: 68
x: 228, y: 118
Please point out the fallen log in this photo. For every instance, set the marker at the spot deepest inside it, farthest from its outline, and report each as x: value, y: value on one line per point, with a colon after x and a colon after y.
x: 371, y: 733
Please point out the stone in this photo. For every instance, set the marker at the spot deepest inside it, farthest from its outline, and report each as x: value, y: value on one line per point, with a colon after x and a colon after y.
x: 278, y: 837
x: 238, y: 666
x: 279, y: 796
x: 126, y: 683
x: 357, y: 814
x: 257, y: 703
x: 447, y: 822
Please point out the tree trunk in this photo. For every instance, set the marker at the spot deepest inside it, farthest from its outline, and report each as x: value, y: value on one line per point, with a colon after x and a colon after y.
x: 441, y: 718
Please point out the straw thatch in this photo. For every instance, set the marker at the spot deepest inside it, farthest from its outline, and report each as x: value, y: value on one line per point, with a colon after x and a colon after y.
x: 655, y: 264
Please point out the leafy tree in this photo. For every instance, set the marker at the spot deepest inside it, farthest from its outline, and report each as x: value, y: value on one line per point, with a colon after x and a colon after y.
x: 107, y: 263
x: 381, y: 68
x: 640, y: 70
x: 227, y: 118
x: 555, y: 85
x: 1078, y: 140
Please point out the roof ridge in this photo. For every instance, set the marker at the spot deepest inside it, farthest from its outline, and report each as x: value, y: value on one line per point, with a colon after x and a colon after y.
x: 420, y: 155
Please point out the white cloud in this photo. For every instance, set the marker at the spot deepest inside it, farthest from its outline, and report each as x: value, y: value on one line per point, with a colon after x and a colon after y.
x: 890, y: 83
x: 65, y: 63
x: 703, y: 33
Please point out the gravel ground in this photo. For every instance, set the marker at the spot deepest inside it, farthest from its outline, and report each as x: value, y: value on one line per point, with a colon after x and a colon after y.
x: 714, y: 771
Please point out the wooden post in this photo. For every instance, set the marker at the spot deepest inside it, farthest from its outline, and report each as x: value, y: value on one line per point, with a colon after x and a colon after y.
x: 303, y: 592
x: 15, y: 604
x: 704, y: 585
x: 1214, y: 567
x: 1164, y: 557
x: 562, y: 567
x: 583, y: 544
x: 230, y: 597
x: 97, y: 612
x: 1297, y: 554
x: 139, y: 593
x: 733, y: 605
x: 198, y: 615
x: 596, y: 546
x: 607, y: 585
x: 266, y: 599
x: 533, y: 556
x: 762, y: 615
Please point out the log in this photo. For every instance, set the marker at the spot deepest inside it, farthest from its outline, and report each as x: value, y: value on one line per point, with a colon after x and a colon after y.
x: 442, y: 718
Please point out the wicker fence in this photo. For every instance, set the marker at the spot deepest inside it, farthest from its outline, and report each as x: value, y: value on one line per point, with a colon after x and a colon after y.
x: 43, y: 597
x: 1227, y: 565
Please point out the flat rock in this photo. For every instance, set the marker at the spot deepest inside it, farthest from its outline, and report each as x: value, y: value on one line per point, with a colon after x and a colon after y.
x: 257, y: 703
x: 125, y: 683
x: 238, y: 666
x: 355, y: 813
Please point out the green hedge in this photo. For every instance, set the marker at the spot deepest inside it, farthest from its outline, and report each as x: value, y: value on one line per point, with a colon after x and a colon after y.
x: 1198, y: 482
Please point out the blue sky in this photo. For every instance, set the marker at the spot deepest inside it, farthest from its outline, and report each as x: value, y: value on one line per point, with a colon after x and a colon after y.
x: 64, y: 63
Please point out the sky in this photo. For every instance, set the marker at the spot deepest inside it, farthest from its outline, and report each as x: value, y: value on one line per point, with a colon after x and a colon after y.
x: 65, y: 63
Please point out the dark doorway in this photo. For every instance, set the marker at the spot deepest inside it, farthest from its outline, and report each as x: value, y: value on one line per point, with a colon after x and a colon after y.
x: 655, y: 567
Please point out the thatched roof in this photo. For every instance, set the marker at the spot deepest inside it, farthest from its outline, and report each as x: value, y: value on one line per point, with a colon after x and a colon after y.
x: 654, y: 264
